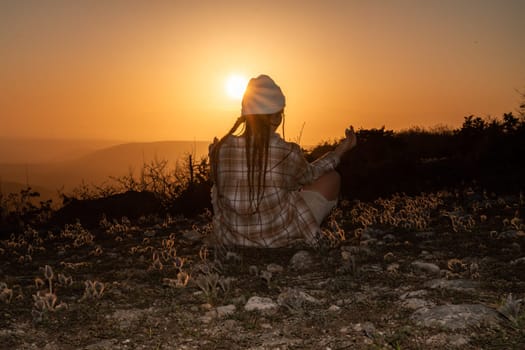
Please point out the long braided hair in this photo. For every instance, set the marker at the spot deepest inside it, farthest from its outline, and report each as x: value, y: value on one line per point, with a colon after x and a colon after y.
x: 257, y: 131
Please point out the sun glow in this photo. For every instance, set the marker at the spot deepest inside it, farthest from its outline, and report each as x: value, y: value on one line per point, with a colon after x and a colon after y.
x: 235, y: 86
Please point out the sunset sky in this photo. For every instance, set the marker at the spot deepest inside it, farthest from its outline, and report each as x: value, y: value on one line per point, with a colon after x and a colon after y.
x: 157, y: 70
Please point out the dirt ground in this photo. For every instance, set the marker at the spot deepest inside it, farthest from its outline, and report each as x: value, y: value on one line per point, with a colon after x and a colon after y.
x: 156, y: 284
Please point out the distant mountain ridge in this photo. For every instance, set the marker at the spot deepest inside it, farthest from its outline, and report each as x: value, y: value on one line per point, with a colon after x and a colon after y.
x: 30, y: 151
x: 98, y: 166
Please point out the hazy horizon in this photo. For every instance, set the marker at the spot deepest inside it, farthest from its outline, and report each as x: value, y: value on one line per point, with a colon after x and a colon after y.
x: 46, y: 150
x: 92, y: 166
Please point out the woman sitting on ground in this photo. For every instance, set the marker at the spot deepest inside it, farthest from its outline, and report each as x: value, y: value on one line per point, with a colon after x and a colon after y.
x: 265, y: 193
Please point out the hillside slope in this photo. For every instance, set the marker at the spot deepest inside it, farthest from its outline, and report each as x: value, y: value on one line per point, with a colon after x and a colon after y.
x: 97, y: 167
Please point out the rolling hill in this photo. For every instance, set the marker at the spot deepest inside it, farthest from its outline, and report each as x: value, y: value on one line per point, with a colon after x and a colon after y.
x: 98, y: 166
x: 29, y: 151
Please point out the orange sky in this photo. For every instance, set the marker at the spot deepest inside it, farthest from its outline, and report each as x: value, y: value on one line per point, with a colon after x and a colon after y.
x: 135, y: 71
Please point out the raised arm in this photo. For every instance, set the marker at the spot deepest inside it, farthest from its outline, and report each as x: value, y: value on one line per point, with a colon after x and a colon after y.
x: 348, y: 143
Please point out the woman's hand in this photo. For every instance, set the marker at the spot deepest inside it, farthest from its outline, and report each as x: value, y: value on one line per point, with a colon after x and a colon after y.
x: 348, y: 143
x: 351, y: 138
x: 211, y: 146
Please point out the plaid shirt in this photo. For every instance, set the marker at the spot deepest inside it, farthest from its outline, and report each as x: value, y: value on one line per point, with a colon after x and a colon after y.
x: 282, y: 216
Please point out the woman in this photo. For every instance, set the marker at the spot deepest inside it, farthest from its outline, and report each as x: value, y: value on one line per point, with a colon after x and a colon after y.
x: 265, y: 193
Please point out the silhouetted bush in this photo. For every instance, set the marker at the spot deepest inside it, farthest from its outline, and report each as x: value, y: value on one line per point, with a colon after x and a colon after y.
x: 196, y: 195
x: 184, y: 189
x: 482, y: 153
x: 89, y: 212
x: 23, y: 208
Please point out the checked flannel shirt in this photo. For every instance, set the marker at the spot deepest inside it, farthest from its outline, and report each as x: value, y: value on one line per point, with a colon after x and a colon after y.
x: 283, y: 216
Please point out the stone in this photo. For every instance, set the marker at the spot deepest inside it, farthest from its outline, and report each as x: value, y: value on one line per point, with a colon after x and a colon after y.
x: 425, y: 253
x: 280, y: 342
x: 230, y: 324
x: 425, y: 235
x: 413, y: 294
x: 274, y: 268
x: 367, y: 328
x: 389, y: 238
x: 518, y: 261
x: 149, y: 233
x: 447, y: 340
x: 239, y: 300
x: 257, y: 303
x: 515, y: 248
x: 456, y: 317
x: 124, y: 318
x: 51, y: 346
x: 392, y: 268
x: 416, y: 303
x: 211, y: 313
x: 509, y: 234
x: 208, y: 317
x: 295, y: 299
x: 334, y: 308
x: 424, y: 267
x: 371, y: 268
x: 302, y: 260
x: 103, y: 344
x: 225, y: 310
x: 357, y: 250
x: 460, y: 285
x: 344, y: 330
x: 206, y: 306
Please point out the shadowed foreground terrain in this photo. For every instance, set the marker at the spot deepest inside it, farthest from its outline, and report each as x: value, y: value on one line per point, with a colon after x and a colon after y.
x: 434, y: 271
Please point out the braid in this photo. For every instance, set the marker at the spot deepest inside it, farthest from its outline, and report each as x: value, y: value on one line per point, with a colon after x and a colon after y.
x: 257, y: 135
x: 214, y: 153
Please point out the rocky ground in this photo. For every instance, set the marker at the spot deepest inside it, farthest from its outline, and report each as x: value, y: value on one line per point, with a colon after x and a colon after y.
x: 430, y: 272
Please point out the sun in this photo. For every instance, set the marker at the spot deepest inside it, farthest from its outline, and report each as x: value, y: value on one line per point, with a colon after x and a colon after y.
x: 235, y: 86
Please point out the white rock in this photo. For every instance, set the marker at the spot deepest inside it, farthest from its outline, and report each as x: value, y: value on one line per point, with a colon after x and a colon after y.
x: 274, y: 268
x: 416, y: 303
x: 206, y: 306
x: 302, y: 260
x: 103, y: 344
x: 457, y: 285
x: 296, y: 299
x: 371, y: 268
x: 210, y: 314
x: 334, y: 308
x: 425, y: 267
x: 518, y: 261
x: 344, y: 330
x: 413, y: 294
x: 456, y: 316
x: 392, y: 268
x: 256, y: 303
x: 367, y: 328
x: 447, y: 340
x: 208, y: 317
x: 225, y: 310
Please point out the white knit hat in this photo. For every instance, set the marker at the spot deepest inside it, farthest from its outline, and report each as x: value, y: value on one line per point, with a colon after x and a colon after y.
x: 262, y: 96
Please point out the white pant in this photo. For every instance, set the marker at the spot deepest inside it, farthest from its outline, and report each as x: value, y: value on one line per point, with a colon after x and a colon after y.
x: 318, y: 204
